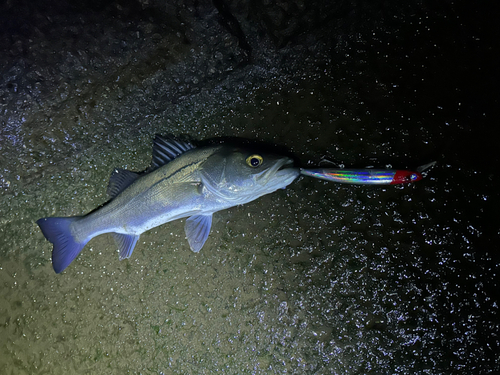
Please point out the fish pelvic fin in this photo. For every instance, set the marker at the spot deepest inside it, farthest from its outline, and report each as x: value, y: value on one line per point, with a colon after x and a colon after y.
x: 57, y: 230
x: 197, y: 229
x: 125, y: 243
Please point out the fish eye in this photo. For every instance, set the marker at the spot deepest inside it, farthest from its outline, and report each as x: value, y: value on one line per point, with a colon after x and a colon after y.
x: 254, y: 160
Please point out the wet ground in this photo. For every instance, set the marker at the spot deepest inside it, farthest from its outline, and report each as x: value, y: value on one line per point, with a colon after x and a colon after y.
x: 319, y: 278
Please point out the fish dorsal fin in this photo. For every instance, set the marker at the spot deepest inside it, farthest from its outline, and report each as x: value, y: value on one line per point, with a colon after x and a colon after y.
x: 120, y: 180
x: 167, y: 148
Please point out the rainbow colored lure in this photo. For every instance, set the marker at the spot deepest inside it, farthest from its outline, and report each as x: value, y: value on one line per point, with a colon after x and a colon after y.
x: 364, y: 176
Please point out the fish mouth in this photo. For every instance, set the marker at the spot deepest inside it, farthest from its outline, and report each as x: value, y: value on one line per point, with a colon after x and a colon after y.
x: 281, y: 173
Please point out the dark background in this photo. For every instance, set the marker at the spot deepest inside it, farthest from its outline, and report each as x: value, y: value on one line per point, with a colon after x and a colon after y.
x: 399, y: 281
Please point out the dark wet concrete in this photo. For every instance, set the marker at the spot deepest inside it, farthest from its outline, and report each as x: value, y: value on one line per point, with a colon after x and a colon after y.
x: 320, y: 278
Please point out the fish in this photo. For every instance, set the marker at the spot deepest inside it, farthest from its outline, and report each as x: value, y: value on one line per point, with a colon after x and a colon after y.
x: 184, y: 181
x: 365, y: 176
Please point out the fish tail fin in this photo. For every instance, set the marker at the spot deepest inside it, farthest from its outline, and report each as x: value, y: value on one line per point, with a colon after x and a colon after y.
x: 66, y: 248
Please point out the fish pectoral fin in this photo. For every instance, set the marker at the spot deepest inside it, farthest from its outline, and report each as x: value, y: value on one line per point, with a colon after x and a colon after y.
x: 197, y: 229
x: 125, y: 243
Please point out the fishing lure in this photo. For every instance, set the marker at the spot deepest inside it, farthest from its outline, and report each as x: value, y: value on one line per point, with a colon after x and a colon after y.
x: 368, y: 176
x: 364, y: 176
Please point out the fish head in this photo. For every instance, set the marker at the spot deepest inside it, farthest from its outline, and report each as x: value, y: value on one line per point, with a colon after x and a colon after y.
x: 241, y: 174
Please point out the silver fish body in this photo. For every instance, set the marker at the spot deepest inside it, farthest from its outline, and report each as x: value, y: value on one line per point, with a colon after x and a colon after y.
x: 185, y: 182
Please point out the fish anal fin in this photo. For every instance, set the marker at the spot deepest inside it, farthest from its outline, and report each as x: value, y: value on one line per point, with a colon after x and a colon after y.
x: 125, y: 243
x: 197, y: 229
